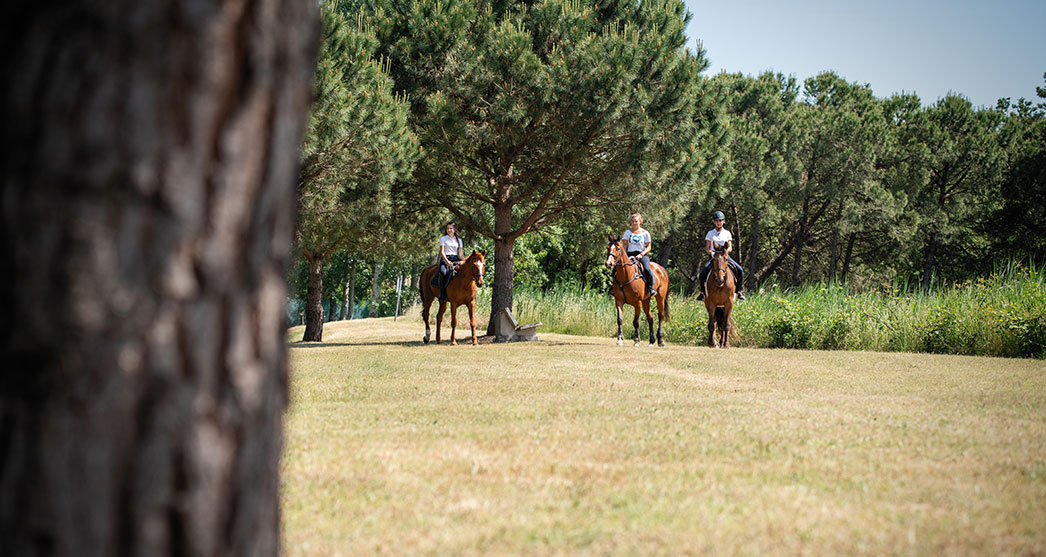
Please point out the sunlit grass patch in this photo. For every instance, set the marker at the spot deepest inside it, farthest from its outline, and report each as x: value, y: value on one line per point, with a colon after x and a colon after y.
x: 574, y: 445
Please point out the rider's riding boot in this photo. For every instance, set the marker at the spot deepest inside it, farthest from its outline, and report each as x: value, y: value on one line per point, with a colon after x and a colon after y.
x: 701, y: 294
x: 740, y: 295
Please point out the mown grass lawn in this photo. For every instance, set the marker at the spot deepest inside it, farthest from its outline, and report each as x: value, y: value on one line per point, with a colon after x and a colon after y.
x: 574, y: 445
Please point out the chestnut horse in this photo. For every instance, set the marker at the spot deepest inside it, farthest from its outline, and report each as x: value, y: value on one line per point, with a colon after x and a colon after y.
x: 630, y: 288
x: 461, y: 290
x: 719, y: 299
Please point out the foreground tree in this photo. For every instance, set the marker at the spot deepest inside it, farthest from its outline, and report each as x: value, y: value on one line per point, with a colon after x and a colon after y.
x: 532, y: 113
x: 149, y: 158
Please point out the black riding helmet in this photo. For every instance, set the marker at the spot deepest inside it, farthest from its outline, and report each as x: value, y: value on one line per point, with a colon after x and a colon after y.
x: 718, y: 215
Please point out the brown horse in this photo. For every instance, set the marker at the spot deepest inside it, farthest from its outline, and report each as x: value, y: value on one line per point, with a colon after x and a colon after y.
x: 719, y: 299
x: 630, y: 288
x: 461, y: 290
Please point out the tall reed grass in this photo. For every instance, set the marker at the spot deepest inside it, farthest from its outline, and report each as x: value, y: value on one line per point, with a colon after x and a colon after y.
x: 1000, y: 315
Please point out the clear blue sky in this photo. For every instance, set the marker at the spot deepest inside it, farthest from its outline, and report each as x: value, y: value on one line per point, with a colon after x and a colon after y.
x: 982, y: 50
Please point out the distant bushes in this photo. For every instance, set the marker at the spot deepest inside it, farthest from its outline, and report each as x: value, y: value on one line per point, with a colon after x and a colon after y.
x: 1001, y: 315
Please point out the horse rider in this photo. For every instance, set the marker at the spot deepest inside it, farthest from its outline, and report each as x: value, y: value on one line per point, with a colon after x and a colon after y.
x: 716, y: 239
x: 638, y: 248
x: 450, y: 252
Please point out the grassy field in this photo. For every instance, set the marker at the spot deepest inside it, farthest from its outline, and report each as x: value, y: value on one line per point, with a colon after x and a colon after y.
x: 574, y: 445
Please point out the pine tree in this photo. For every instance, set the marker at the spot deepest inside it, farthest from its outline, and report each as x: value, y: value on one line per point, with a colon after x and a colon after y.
x: 533, y: 113
x: 358, y: 143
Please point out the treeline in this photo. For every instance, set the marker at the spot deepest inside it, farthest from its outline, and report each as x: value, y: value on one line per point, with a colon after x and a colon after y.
x: 540, y: 128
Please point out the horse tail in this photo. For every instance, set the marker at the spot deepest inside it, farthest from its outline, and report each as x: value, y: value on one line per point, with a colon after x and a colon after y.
x: 668, y: 316
x: 736, y: 336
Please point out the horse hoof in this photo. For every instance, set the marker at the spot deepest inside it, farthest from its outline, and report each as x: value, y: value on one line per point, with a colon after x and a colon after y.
x: 651, y: 345
x: 619, y: 343
x: 425, y: 340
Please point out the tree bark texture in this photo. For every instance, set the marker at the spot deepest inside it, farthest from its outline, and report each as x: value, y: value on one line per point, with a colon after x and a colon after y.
x: 149, y: 154
x: 314, y: 301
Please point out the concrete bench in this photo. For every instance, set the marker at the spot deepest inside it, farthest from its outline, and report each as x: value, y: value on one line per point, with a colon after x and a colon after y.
x: 507, y: 330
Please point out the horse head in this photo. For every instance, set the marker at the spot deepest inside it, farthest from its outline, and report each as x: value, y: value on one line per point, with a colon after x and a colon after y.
x: 720, y: 267
x: 478, y: 261
x: 615, y: 252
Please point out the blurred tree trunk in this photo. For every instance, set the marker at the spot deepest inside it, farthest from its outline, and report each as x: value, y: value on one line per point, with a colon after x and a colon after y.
x: 149, y: 154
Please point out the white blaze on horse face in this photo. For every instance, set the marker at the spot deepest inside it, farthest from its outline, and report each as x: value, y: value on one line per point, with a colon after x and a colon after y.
x: 479, y: 267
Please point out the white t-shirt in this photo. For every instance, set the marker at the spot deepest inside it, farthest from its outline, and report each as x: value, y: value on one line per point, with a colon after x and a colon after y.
x: 637, y: 241
x: 450, y: 245
x: 719, y: 237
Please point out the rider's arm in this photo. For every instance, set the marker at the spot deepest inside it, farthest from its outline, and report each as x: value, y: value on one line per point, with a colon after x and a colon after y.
x: 708, y: 247
x: 729, y: 247
x: 646, y: 250
x: 443, y: 256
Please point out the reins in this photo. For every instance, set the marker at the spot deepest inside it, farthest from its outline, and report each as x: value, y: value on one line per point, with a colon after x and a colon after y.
x: 636, y: 273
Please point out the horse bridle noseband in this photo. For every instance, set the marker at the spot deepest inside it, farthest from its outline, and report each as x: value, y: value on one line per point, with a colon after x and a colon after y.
x: 618, y: 262
x: 721, y: 272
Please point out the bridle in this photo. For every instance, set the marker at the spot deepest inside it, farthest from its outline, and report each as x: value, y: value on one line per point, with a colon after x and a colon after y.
x: 615, y: 260
x: 719, y: 267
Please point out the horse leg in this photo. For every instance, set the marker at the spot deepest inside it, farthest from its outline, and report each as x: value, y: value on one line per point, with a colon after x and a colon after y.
x: 711, y: 328
x: 635, y: 324
x: 726, y: 325
x: 425, y: 317
x: 620, y: 318
x: 726, y: 331
x: 453, y: 322
x: 439, y: 320
x: 719, y: 328
x: 660, y: 317
x: 649, y: 321
x: 472, y: 319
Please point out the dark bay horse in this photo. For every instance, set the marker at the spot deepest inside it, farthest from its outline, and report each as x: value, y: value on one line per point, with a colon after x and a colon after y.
x: 461, y: 290
x: 630, y: 288
x: 719, y: 299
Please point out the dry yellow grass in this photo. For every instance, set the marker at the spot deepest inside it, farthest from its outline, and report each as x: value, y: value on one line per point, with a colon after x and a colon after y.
x: 577, y: 446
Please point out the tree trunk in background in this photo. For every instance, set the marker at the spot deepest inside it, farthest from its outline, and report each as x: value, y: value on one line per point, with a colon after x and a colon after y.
x: 333, y: 305
x: 930, y: 261
x: 314, y: 300
x: 149, y: 153
x: 833, y: 257
x: 848, y: 256
x: 375, y: 289
x: 352, y: 291
x: 501, y: 297
x: 753, y: 249
x: 665, y: 251
x: 800, y: 244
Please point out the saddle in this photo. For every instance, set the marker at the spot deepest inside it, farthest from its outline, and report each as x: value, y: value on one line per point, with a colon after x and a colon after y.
x: 637, y: 274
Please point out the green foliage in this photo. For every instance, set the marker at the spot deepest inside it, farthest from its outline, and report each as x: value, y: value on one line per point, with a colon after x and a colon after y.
x: 357, y: 142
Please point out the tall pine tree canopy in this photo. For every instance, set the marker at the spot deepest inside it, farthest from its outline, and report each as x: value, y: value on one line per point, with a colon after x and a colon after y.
x: 357, y: 144
x: 530, y: 112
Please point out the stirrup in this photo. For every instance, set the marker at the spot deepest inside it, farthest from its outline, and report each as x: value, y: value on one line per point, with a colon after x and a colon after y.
x: 701, y: 295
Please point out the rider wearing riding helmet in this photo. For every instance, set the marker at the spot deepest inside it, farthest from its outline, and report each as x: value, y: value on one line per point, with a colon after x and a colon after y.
x: 717, y: 238
x: 638, y: 247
